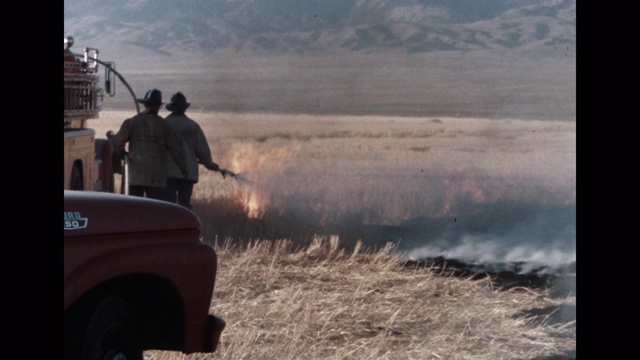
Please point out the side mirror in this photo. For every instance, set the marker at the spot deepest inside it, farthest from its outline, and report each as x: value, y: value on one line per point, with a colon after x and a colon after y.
x: 110, y: 79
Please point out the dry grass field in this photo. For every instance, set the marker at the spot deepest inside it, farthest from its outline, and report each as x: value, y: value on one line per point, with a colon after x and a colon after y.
x: 322, y: 302
x: 304, y: 272
x: 332, y: 172
x: 535, y: 84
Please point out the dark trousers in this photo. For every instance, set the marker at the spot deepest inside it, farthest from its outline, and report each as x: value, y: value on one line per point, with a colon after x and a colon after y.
x: 180, y: 191
x: 151, y: 192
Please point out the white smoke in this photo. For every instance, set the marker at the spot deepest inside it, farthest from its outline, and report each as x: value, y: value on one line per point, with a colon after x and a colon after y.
x: 499, y: 255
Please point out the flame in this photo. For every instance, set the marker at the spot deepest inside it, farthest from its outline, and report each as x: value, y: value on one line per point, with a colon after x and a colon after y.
x: 255, y: 168
x: 461, y: 185
x: 254, y: 207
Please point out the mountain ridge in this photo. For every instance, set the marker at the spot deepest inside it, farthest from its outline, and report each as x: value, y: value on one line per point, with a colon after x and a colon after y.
x: 332, y: 26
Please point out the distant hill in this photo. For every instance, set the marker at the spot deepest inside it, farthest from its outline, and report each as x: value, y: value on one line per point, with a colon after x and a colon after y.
x: 330, y: 26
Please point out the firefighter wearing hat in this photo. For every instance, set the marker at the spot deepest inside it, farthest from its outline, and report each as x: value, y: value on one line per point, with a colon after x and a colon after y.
x: 196, y: 149
x: 149, y: 138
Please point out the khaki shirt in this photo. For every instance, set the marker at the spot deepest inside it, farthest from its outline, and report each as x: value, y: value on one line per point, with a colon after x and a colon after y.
x: 149, y: 138
x: 195, y: 146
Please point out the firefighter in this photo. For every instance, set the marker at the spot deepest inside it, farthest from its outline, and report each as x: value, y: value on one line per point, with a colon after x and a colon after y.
x: 180, y: 189
x: 149, y: 137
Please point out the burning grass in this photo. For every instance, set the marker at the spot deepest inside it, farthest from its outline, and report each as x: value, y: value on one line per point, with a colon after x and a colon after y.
x: 320, y: 301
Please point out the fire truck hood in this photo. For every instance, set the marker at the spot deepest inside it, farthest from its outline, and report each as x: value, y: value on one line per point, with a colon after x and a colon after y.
x: 89, y: 213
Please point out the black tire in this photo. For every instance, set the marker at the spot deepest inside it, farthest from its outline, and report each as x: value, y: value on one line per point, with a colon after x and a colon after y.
x: 102, y: 329
x: 111, y: 181
x: 76, y: 178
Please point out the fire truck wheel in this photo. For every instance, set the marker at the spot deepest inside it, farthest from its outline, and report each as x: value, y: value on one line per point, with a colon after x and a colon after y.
x: 102, y: 329
x: 76, y: 178
x: 111, y: 180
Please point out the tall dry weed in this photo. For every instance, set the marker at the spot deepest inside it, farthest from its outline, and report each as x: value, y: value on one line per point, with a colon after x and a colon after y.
x: 319, y: 301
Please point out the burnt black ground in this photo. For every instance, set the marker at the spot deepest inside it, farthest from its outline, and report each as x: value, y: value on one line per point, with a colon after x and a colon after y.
x: 560, y: 284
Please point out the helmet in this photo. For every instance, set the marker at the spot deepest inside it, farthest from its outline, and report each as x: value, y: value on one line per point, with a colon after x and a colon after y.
x: 178, y: 102
x: 153, y: 97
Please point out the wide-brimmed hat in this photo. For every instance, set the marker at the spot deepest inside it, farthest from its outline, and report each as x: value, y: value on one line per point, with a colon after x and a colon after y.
x: 153, y: 97
x: 178, y: 102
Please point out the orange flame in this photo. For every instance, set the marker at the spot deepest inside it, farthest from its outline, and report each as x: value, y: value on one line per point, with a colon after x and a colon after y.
x: 461, y: 186
x: 255, y: 167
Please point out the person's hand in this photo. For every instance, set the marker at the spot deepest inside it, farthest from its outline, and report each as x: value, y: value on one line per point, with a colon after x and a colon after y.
x: 226, y: 173
x: 213, y: 166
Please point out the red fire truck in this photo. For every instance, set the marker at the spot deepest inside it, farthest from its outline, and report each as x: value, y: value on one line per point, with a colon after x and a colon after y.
x: 137, y: 274
x: 88, y: 163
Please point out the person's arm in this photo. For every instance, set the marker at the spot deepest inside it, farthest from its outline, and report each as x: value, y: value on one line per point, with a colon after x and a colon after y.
x: 121, y: 138
x: 203, y: 152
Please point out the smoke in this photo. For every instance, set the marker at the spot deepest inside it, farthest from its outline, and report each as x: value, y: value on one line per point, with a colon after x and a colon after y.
x: 499, y: 235
x: 490, y: 224
x: 499, y: 255
x: 522, y: 221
